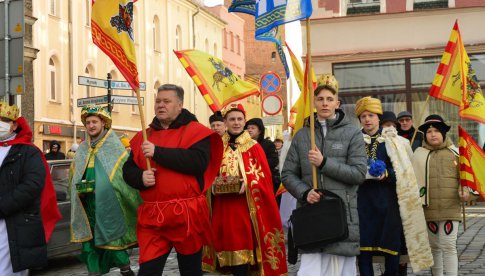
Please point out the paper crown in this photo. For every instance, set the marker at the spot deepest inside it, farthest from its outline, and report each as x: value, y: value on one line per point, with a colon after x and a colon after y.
x: 234, y: 107
x: 372, y: 105
x: 96, y: 110
x: 10, y: 112
x: 328, y: 80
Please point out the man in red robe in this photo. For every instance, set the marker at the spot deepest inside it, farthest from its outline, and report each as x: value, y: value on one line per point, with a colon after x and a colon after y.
x: 184, y: 157
x: 245, y: 219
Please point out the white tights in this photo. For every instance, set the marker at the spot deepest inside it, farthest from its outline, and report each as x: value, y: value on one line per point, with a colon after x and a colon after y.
x: 442, y: 239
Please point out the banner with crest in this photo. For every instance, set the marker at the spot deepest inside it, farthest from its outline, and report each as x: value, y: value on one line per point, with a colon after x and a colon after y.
x: 217, y: 83
x: 112, y: 32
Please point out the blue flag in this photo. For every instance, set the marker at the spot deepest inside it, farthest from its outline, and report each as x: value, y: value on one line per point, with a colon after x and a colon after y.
x: 269, y: 15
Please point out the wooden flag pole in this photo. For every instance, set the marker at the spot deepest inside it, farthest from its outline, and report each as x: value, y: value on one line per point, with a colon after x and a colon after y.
x: 310, y: 93
x: 463, y: 210
x: 420, y: 118
x: 143, y: 128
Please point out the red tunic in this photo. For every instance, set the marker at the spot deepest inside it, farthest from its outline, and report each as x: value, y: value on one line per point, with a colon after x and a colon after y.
x: 175, y: 211
x: 248, y: 226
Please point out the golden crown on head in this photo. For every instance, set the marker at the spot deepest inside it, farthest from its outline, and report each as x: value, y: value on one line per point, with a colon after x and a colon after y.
x: 96, y: 110
x: 10, y: 112
x: 328, y: 80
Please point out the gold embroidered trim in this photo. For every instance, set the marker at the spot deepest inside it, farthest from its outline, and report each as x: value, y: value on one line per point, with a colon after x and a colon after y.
x: 244, y: 141
x: 388, y: 251
x: 232, y: 258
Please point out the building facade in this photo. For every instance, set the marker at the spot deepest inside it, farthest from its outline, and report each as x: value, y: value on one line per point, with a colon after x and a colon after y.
x: 62, y: 34
x: 390, y: 49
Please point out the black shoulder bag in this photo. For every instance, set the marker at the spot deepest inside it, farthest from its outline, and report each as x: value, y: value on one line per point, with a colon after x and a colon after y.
x: 314, y: 226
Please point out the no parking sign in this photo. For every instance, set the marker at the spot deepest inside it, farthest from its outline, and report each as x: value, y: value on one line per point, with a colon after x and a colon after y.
x: 270, y: 82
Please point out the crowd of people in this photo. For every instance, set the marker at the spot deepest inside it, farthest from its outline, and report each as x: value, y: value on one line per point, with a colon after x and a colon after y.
x: 209, y: 193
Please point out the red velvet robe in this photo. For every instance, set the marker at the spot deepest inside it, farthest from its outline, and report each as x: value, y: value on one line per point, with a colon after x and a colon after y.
x: 247, y: 228
x: 175, y: 211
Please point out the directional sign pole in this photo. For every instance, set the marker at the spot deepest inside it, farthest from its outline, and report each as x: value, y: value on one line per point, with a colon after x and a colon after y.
x: 109, y: 93
x: 143, y: 128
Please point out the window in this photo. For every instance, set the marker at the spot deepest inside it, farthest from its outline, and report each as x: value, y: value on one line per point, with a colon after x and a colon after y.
x: 225, y: 38
x: 215, y: 49
x: 134, y: 107
x: 88, y: 14
x: 430, y: 4
x: 53, y: 79
x: 156, y: 34
x: 231, y: 38
x: 207, y: 45
x: 53, y: 7
x: 363, y: 6
x: 238, y: 45
x: 402, y: 84
x: 178, y: 38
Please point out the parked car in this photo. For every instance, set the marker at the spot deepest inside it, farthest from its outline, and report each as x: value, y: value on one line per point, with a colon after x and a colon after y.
x: 59, y: 243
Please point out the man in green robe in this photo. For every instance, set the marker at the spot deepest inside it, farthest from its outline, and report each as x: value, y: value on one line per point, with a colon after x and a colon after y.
x: 103, y: 207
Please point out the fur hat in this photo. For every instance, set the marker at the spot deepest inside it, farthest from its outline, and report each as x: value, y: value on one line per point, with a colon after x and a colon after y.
x: 217, y: 116
x: 372, y: 105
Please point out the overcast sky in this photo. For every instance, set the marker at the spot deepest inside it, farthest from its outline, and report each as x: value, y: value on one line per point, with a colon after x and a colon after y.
x: 212, y: 3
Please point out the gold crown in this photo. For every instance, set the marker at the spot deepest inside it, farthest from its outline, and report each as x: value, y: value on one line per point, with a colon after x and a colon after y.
x: 11, y: 112
x: 328, y: 80
x: 96, y: 110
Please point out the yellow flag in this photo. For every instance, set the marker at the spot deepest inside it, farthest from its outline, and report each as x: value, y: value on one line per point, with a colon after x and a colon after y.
x: 302, y: 107
x: 472, y: 163
x: 217, y: 83
x: 112, y: 32
x: 448, y: 84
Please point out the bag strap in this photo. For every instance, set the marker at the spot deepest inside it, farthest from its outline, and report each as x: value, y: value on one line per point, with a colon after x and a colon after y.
x: 328, y: 193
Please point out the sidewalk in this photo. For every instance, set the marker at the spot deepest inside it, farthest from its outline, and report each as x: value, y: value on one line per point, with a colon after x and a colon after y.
x: 471, y: 244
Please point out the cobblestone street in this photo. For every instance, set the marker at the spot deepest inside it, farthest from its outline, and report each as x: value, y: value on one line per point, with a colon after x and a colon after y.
x: 471, y: 245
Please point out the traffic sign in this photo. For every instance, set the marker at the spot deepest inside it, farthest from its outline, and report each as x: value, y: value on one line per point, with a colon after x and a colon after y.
x: 124, y: 85
x: 92, y: 100
x: 272, y: 104
x: 270, y: 82
x: 115, y: 85
x: 125, y: 100
x: 273, y: 120
x: 93, y: 82
x: 15, y: 41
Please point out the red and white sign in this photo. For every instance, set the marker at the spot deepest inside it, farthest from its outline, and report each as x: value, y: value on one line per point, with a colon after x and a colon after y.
x: 272, y: 104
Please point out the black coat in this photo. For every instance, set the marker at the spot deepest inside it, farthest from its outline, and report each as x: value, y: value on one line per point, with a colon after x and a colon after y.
x: 22, y: 177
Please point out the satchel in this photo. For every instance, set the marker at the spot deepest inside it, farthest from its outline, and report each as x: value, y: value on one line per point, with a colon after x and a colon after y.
x: 314, y: 226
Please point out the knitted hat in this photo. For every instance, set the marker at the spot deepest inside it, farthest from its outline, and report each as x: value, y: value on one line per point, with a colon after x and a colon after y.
x: 372, y: 105
x: 435, y: 121
x: 96, y: 110
x: 388, y: 116
x: 217, y: 116
x: 327, y: 81
x: 404, y: 114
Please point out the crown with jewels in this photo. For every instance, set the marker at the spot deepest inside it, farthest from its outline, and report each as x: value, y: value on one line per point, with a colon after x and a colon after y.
x: 328, y: 80
x: 96, y: 110
x: 11, y: 112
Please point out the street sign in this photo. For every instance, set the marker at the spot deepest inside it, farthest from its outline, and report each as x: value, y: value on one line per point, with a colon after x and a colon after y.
x: 273, y: 120
x: 125, y: 100
x: 92, y: 82
x: 272, y: 104
x: 92, y: 100
x: 115, y: 85
x: 15, y: 48
x: 270, y: 82
x: 124, y: 85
